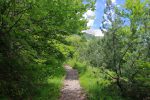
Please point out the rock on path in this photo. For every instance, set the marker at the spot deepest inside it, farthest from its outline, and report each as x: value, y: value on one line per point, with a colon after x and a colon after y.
x: 72, y: 89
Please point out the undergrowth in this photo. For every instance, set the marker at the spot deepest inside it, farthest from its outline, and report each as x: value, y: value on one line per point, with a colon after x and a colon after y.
x: 96, y: 84
x: 50, y: 89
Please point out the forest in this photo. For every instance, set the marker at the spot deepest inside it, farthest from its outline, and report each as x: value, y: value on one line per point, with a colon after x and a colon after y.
x: 39, y: 37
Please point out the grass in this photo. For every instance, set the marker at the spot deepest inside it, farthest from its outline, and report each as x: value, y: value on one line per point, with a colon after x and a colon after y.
x: 96, y: 84
x: 50, y: 90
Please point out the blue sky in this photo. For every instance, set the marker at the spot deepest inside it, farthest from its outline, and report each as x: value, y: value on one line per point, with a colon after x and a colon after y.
x: 94, y: 18
x: 100, y: 5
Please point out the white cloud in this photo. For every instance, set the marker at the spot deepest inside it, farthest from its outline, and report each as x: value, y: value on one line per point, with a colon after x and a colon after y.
x: 95, y: 32
x: 89, y: 16
x: 113, y: 1
x: 98, y: 32
x: 90, y: 23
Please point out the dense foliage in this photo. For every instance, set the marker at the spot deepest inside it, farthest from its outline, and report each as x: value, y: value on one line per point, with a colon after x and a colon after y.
x: 32, y: 35
x: 125, y: 48
x: 36, y: 37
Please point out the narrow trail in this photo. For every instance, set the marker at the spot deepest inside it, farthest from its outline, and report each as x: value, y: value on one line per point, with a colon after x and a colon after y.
x: 72, y: 89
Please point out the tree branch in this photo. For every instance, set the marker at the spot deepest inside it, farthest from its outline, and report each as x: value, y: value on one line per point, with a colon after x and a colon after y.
x: 14, y: 24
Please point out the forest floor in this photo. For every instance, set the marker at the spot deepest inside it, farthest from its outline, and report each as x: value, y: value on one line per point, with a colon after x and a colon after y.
x: 72, y: 89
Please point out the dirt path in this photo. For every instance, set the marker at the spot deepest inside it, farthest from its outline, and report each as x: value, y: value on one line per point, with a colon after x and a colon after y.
x: 72, y: 89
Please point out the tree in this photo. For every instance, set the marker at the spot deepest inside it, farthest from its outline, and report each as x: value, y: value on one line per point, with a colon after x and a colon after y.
x: 29, y: 33
x: 124, y: 47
